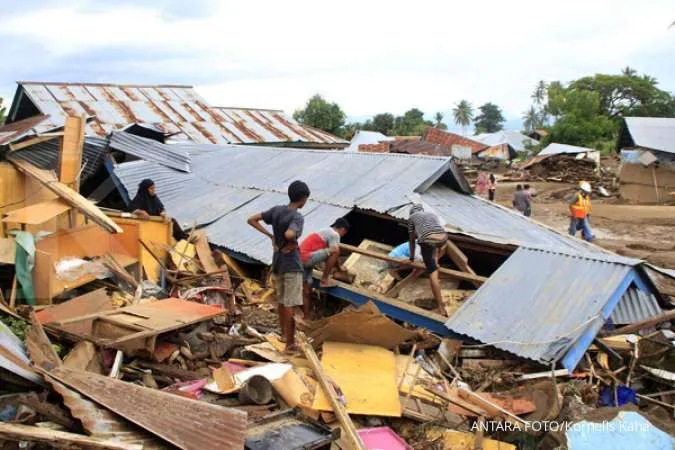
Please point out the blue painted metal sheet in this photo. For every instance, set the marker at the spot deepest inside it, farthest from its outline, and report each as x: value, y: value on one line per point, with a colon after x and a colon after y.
x: 539, y: 304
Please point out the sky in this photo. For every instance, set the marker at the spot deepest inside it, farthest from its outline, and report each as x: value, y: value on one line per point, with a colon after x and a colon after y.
x: 368, y: 56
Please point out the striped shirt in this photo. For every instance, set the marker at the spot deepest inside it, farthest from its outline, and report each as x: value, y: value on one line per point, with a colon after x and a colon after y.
x: 424, y: 224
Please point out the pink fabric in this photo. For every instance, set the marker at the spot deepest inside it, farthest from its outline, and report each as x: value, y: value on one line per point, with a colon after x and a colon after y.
x: 382, y: 438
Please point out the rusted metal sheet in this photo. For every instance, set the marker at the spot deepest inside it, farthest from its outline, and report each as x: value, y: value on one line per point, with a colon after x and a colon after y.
x: 15, y: 131
x: 187, y: 424
x: 176, y: 110
x: 101, y: 423
x: 448, y: 139
x: 257, y: 126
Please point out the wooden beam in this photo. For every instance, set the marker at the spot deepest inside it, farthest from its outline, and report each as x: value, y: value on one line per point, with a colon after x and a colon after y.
x: 351, y: 436
x: 670, y: 315
x: 58, y: 439
x: 459, y: 258
x: 28, y: 142
x: 412, y: 276
x: 71, y: 197
x: 70, y: 154
x: 449, y: 272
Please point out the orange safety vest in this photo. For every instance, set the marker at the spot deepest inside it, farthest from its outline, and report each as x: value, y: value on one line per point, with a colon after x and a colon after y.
x: 582, y: 207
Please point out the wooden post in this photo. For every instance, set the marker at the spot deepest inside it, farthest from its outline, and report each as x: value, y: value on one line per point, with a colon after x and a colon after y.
x: 351, y: 436
x: 451, y: 273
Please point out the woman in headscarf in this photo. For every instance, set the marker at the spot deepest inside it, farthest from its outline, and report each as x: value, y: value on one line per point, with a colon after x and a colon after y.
x: 146, y: 203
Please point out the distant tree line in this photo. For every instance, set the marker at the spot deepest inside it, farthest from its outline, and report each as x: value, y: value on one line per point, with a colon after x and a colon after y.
x: 585, y: 112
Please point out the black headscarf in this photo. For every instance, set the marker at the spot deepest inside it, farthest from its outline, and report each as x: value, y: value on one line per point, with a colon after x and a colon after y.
x: 151, y: 204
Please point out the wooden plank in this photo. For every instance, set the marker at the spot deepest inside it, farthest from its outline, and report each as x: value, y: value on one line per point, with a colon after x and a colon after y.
x: 70, y: 154
x: 204, y: 253
x: 37, y: 213
x: 59, y: 439
x: 670, y: 315
x: 351, y: 436
x: 7, y: 250
x: 451, y: 273
x: 232, y: 264
x: 71, y: 197
x: 459, y: 258
x: 28, y: 142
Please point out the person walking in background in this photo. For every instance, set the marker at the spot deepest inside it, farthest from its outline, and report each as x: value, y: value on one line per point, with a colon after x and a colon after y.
x: 481, y: 183
x: 426, y: 228
x: 580, y: 211
x: 287, y: 268
x: 531, y: 193
x: 521, y: 201
x: 492, y: 187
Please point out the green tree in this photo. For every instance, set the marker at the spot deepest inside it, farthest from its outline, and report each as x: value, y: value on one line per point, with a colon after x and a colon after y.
x: 384, y: 123
x: 531, y: 119
x: 539, y: 94
x: 463, y: 114
x: 438, y: 117
x: 411, y: 123
x: 3, y: 110
x: 628, y: 94
x: 577, y: 118
x: 319, y: 113
x: 490, y: 119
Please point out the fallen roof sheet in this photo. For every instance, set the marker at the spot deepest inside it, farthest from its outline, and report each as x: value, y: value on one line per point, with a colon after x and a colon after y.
x: 257, y: 126
x: 13, y: 356
x: 636, y: 305
x: 14, y: 131
x: 655, y: 133
x: 544, y: 305
x: 174, y: 156
x: 45, y: 155
x: 556, y: 149
x: 188, y: 424
x: 513, y: 139
x: 365, y: 137
x: 487, y: 221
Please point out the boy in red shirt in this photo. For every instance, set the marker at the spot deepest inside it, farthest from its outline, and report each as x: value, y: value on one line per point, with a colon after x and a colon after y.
x: 318, y: 247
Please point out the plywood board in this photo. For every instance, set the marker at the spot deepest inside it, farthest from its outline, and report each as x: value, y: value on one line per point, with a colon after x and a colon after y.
x: 38, y: 213
x: 89, y: 303
x: 7, y: 250
x: 150, y: 231
x: 70, y: 156
x: 365, y: 374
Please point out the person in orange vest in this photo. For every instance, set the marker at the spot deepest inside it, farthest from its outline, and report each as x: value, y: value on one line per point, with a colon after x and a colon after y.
x: 580, y: 210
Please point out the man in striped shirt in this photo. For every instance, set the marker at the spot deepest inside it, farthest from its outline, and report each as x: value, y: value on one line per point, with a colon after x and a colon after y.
x: 431, y: 237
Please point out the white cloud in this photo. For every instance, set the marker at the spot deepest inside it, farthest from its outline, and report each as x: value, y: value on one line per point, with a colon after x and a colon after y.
x: 367, y: 56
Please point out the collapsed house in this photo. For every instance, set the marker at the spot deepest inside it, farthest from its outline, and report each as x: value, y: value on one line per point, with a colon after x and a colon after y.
x: 647, y: 146
x: 505, y: 145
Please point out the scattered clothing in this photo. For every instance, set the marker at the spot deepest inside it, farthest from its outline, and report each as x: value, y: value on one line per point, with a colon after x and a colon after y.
x: 402, y: 251
x: 288, y: 288
x: 287, y: 256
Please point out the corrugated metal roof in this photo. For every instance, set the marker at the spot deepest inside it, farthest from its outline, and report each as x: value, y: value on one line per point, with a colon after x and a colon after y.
x: 556, y: 149
x: 45, y: 155
x: 487, y: 221
x: 655, y: 133
x: 635, y: 306
x: 364, y: 137
x: 538, y: 303
x: 177, y: 111
x: 257, y: 126
x: 448, y: 139
x: 514, y: 139
x: 227, y: 182
x: 188, y: 424
x: 14, y: 131
x: 174, y: 156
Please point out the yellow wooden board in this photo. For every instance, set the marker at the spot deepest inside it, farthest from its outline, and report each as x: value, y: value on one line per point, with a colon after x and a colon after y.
x: 183, y: 255
x: 37, y: 213
x: 365, y: 374
x: 459, y: 440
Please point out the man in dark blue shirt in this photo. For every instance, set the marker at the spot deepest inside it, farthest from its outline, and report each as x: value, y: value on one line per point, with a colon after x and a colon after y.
x: 287, y: 269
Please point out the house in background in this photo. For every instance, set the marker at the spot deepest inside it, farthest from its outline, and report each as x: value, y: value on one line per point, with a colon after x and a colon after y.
x: 368, y: 138
x: 168, y: 113
x: 504, y: 145
x: 647, y: 146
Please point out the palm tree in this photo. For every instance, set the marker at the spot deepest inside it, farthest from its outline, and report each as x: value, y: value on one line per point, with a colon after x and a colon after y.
x: 629, y: 71
x: 463, y: 113
x: 539, y: 93
x: 531, y: 119
x: 439, y: 119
